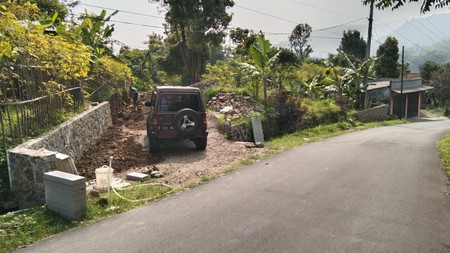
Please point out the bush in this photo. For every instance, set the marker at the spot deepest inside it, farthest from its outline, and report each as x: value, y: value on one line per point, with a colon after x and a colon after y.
x: 283, y: 114
x: 321, y: 112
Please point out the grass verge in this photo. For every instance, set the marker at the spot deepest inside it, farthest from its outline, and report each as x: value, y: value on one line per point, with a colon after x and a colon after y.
x: 444, y: 148
x: 23, y: 228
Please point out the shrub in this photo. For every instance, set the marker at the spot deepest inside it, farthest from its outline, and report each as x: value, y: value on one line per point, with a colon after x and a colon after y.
x: 282, y: 115
x: 321, y: 112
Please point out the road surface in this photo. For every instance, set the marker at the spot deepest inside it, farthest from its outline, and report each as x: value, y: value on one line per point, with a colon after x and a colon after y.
x: 378, y: 190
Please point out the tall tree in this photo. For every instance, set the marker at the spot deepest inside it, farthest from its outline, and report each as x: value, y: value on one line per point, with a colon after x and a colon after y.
x: 299, y: 40
x: 353, y: 44
x: 440, y: 80
x: 427, y: 69
x: 386, y: 64
x: 426, y: 4
x: 197, y: 25
x: 243, y: 38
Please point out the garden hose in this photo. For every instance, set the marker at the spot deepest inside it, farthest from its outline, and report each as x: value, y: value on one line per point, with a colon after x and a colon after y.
x: 139, y: 185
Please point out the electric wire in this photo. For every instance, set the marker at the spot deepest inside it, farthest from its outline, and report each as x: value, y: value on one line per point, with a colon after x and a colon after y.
x: 124, y: 11
x: 266, y: 14
x: 320, y: 8
x: 437, y: 29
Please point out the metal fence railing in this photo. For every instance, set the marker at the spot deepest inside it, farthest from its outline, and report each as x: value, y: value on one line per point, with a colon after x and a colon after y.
x: 28, y: 106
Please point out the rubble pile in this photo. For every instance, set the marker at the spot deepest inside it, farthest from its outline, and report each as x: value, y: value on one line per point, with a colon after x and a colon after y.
x: 232, y: 105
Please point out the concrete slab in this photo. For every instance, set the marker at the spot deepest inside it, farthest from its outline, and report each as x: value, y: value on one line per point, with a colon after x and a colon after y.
x: 136, y: 176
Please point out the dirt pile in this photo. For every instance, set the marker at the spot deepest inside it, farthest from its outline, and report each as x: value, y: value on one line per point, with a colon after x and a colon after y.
x: 179, y: 162
x: 233, y: 105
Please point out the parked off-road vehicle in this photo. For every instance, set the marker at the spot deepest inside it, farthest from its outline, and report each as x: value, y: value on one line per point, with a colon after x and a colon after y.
x: 176, y: 113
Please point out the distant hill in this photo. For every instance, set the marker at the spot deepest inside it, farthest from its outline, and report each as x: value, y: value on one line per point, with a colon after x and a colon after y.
x: 424, y: 38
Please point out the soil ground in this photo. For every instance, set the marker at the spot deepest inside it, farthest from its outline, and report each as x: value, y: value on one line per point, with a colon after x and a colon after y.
x: 179, y: 162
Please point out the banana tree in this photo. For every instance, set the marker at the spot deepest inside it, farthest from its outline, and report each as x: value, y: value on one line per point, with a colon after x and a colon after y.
x: 263, y: 65
x: 353, y: 78
x: 95, y: 34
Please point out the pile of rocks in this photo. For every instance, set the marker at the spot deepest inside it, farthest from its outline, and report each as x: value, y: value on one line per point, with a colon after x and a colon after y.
x: 232, y: 105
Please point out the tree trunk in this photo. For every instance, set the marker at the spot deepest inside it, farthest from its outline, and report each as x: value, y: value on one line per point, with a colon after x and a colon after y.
x: 264, y: 86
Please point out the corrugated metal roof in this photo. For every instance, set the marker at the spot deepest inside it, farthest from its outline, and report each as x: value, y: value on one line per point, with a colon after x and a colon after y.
x: 413, y: 89
x: 378, y: 85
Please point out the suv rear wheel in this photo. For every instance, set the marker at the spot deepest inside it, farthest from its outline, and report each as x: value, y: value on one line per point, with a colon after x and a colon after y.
x: 155, y: 146
x: 200, y: 143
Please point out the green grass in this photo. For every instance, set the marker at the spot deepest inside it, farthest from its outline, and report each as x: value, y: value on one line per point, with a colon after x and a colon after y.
x: 444, y: 148
x: 20, y: 229
x: 23, y: 228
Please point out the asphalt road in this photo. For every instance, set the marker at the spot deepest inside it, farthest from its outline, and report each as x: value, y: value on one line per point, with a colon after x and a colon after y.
x: 378, y: 190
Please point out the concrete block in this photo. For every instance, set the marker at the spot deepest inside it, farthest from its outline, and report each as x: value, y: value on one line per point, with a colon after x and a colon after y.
x: 65, y: 194
x: 136, y: 176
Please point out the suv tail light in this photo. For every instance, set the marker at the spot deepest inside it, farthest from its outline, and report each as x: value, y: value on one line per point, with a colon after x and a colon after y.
x: 205, y: 125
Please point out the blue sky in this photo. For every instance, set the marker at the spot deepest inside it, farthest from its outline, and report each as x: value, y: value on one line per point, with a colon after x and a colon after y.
x: 277, y: 18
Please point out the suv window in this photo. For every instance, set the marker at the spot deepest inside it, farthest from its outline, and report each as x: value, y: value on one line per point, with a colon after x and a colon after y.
x: 176, y: 102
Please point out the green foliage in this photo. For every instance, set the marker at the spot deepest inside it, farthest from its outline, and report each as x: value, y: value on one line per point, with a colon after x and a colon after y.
x: 352, y: 43
x: 263, y: 65
x: 386, y: 64
x: 243, y: 38
x: 231, y: 74
x: 21, y: 229
x: 426, y: 4
x: 444, y: 148
x: 46, y: 7
x: 440, y: 80
x: 427, y: 69
x: 283, y: 114
x: 195, y: 26
x: 29, y: 226
x: 299, y: 41
x: 107, y: 78
x: 96, y: 34
x: 353, y: 78
x: 320, y: 112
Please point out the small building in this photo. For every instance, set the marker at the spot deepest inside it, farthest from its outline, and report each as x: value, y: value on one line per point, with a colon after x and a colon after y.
x: 404, y: 98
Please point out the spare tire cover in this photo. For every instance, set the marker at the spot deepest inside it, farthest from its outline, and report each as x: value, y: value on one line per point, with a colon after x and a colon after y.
x: 186, y: 122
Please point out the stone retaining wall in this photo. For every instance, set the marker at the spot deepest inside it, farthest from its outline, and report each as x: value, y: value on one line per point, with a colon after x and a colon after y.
x: 378, y: 113
x: 28, y: 162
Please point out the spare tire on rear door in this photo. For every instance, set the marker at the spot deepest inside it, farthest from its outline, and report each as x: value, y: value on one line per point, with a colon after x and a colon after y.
x: 186, y: 122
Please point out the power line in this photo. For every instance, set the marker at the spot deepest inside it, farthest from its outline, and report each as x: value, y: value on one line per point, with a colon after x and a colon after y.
x: 125, y: 22
x: 437, y: 29
x: 420, y: 31
x: 323, y: 9
x: 437, y: 56
x: 129, y: 12
x: 265, y: 14
x: 337, y: 26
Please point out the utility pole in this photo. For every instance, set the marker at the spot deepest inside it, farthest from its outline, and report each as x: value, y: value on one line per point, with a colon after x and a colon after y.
x: 369, y: 42
x: 401, y: 83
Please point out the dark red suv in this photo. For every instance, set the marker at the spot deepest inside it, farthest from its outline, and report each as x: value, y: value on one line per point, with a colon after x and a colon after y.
x: 176, y: 113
